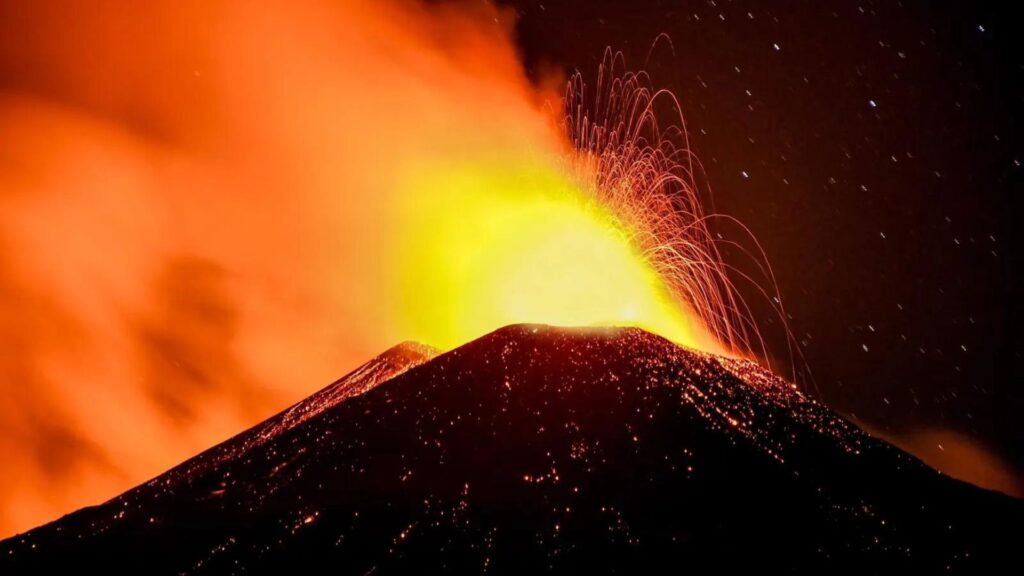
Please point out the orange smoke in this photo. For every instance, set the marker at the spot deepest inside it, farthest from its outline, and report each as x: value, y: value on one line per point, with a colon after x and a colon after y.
x: 193, y: 199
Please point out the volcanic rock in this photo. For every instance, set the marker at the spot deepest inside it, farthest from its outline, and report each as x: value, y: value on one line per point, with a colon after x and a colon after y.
x: 534, y: 450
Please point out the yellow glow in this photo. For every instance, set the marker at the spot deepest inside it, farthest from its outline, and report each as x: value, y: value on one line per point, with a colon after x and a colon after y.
x: 482, y: 247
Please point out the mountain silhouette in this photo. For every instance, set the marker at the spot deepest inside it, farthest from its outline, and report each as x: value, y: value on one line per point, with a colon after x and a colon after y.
x: 542, y: 450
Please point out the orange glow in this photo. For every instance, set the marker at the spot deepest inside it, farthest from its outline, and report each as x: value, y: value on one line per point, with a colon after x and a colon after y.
x: 207, y: 211
x: 479, y: 247
x: 959, y: 456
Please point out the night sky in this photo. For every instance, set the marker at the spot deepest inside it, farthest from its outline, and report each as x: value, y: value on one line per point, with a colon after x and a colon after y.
x: 872, y: 149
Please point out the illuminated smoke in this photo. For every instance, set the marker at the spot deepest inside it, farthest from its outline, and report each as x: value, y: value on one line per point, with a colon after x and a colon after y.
x: 195, y: 207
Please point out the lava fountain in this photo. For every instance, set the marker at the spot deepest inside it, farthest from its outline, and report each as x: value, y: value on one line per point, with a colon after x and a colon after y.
x: 611, y: 232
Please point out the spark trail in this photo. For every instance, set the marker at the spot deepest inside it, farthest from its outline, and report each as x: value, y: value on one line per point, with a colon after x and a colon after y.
x: 646, y: 173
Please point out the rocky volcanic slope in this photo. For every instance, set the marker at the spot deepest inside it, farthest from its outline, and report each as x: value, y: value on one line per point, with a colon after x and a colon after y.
x: 537, y: 449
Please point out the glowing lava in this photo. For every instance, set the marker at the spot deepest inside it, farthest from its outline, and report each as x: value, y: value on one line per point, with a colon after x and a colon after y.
x: 484, y: 247
x: 606, y: 228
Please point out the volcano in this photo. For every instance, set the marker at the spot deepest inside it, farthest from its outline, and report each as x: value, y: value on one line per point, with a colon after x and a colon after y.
x: 537, y: 449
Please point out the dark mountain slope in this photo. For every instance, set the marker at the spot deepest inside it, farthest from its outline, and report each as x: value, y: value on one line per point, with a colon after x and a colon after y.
x: 536, y: 449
